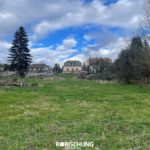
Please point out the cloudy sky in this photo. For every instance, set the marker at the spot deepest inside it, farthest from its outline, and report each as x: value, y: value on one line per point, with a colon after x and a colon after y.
x: 59, y: 30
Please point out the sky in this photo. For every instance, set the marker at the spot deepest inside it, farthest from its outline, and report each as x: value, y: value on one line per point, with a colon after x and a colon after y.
x: 61, y: 30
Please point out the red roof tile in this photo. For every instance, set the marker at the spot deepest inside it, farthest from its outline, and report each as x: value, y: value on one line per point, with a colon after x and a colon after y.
x: 93, y: 61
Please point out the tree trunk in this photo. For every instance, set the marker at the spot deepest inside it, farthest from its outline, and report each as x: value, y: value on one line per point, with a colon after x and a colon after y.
x: 140, y: 83
x: 22, y: 81
x: 127, y: 81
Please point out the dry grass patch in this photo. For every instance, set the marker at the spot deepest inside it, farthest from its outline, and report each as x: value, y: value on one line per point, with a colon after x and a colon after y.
x: 83, y: 103
x: 14, y: 117
x: 54, y: 78
x: 2, y: 91
x: 58, y: 88
x: 46, y: 104
x: 29, y: 114
x: 102, y: 81
x: 41, y: 85
x: 106, y: 81
x: 33, y: 106
x: 42, y: 104
x: 147, y: 100
x: 18, y: 106
x: 54, y: 108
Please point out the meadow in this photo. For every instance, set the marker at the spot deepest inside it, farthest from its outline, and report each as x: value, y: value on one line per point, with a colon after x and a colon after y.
x: 113, y: 116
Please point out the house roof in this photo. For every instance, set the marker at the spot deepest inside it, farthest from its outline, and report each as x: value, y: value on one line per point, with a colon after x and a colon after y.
x: 93, y: 61
x: 35, y: 66
x: 72, y: 63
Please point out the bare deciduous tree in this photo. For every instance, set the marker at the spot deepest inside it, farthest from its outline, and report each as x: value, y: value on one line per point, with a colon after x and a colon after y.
x: 144, y: 20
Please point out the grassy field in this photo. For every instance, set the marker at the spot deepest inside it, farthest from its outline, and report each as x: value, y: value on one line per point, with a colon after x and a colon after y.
x: 113, y: 116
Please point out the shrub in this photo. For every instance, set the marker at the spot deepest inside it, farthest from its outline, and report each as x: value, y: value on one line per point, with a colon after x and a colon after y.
x: 102, y: 76
x: 107, y: 76
x: 82, y: 76
x: 92, y: 77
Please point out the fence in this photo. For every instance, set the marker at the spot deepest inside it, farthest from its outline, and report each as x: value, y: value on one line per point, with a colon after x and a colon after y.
x: 117, y: 135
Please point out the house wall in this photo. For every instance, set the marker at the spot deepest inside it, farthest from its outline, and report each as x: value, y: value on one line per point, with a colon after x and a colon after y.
x: 46, y: 69
x: 70, y: 69
x: 38, y: 70
x: 1, y: 69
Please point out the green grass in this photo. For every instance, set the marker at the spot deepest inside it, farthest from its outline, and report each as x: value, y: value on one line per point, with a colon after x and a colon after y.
x: 33, y: 114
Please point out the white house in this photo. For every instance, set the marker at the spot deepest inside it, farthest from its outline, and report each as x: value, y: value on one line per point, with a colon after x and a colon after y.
x: 72, y: 66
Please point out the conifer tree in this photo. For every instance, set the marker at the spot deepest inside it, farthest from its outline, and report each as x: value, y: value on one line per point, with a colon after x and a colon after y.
x: 19, y: 57
x: 57, y: 68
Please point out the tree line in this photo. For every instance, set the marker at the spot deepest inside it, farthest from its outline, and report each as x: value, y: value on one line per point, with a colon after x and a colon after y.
x: 133, y: 62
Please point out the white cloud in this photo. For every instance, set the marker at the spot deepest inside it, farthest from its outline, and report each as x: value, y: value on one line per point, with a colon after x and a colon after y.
x: 40, y: 44
x: 4, y: 45
x: 46, y: 16
x: 47, y: 54
x: 52, y: 15
x: 67, y: 44
x: 52, y: 56
x: 63, y: 51
x: 4, y: 51
x: 111, y: 51
x: 123, y: 14
x: 102, y: 38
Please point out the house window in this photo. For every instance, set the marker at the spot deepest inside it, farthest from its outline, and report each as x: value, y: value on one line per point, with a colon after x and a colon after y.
x: 76, y: 69
x: 72, y: 69
x: 67, y: 69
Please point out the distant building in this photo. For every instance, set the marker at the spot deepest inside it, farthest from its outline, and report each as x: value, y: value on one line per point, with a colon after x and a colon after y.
x: 39, y: 68
x: 2, y: 67
x: 72, y: 66
x: 93, y: 63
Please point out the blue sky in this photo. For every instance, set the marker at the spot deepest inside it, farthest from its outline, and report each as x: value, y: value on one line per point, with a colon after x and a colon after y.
x: 68, y: 29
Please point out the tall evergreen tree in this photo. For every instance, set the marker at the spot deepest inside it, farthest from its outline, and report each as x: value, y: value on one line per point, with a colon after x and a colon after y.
x: 19, y: 57
x: 57, y: 68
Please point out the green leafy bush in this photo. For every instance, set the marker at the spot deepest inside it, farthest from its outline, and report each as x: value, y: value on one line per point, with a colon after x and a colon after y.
x: 102, y: 76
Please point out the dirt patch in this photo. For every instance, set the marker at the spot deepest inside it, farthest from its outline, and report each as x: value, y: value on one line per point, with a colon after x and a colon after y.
x: 15, y: 84
x: 36, y: 84
x: 14, y: 81
x: 54, y: 78
x: 9, y: 84
x: 106, y: 81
